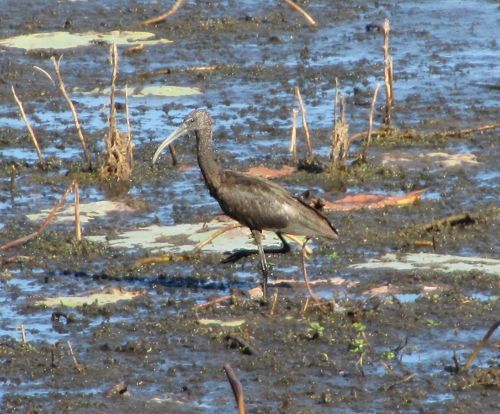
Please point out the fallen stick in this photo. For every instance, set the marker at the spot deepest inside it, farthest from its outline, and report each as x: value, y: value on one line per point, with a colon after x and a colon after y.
x: 216, y: 234
x: 213, y: 301
x: 304, y: 121
x: 62, y: 88
x: 453, y: 220
x: 75, y: 362
x: 481, y: 345
x: 236, y: 387
x: 44, y: 225
x: 299, y: 9
x: 468, y: 130
x: 162, y: 17
x: 28, y: 126
x: 304, y: 273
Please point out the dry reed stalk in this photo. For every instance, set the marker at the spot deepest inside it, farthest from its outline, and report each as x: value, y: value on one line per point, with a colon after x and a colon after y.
x: 78, y: 227
x: 296, y: 7
x: 28, y: 125
x: 75, y: 362
x: 304, y: 121
x: 45, y: 223
x: 216, y: 234
x: 275, y: 301
x: 340, y: 141
x: 236, y: 387
x: 362, y: 155
x: 118, y: 158
x: 293, y: 138
x: 23, y: 334
x: 388, y: 76
x: 129, y: 128
x: 62, y: 88
x: 162, y: 17
x: 481, y: 345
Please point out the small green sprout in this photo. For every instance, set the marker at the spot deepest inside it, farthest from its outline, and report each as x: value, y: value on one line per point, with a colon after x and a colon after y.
x: 315, y: 330
x: 357, y: 345
x: 432, y: 323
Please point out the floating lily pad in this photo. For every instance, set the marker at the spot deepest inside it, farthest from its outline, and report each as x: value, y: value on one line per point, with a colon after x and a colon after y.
x: 430, y: 261
x: 65, y: 40
x: 182, y: 238
x: 101, y: 298
x: 88, y: 211
x: 146, y: 90
x: 228, y: 324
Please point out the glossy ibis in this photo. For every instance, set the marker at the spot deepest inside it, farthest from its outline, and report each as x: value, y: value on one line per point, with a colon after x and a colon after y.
x: 254, y: 202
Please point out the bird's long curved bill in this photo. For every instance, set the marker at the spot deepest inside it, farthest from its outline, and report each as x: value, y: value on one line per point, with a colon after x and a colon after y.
x: 179, y: 132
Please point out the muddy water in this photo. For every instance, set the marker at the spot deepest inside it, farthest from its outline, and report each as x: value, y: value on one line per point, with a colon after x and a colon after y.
x: 387, y: 345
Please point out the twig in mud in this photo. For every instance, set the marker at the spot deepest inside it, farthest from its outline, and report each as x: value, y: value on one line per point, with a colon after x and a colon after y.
x: 75, y: 362
x: 304, y: 121
x: 28, y: 126
x: 293, y: 138
x: 45, y: 223
x: 362, y: 155
x: 162, y: 17
x: 460, y: 132
x: 54, y: 360
x: 62, y: 88
x: 306, y: 305
x: 120, y: 389
x: 47, y: 74
x: 23, y: 334
x: 78, y: 227
x: 388, y: 76
x: 296, y: 7
x: 215, y: 301
x: 236, y: 387
x: 453, y: 220
x: 167, y: 258
x: 235, y: 341
x: 480, y: 345
x: 275, y: 301
x: 216, y: 234
x: 401, y: 381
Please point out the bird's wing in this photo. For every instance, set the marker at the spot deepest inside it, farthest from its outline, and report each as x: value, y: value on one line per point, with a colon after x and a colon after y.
x: 263, y: 205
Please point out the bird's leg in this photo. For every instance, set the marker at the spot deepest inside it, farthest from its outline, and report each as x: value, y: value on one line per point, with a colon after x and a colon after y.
x: 257, y: 235
x: 240, y: 254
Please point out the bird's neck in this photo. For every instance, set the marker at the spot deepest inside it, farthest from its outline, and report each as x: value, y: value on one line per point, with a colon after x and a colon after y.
x: 206, y: 159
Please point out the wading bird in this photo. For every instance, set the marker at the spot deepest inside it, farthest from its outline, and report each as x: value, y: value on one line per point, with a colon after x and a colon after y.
x: 254, y: 202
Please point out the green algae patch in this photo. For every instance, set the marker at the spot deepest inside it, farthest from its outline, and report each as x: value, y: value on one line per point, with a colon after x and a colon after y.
x: 146, y: 90
x: 100, y: 298
x: 65, y: 40
x: 431, y: 261
x: 227, y: 324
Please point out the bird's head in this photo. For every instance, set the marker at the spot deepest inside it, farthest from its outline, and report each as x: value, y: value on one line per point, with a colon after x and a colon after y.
x: 197, y: 120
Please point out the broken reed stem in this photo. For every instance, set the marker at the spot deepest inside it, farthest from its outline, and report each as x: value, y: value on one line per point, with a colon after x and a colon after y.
x: 236, y: 387
x: 293, y: 138
x: 28, y: 125
x: 275, y: 301
x: 481, y: 345
x: 362, y: 156
x: 75, y: 362
x: 162, y: 17
x: 23, y: 334
x: 216, y: 234
x: 129, y: 127
x: 388, y: 76
x: 304, y: 121
x: 45, y: 223
x: 78, y: 227
x: 112, y: 110
x: 296, y: 7
x: 62, y: 88
x: 340, y: 141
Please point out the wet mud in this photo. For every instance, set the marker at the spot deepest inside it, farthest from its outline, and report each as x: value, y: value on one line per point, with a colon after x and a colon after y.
x: 387, y: 339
